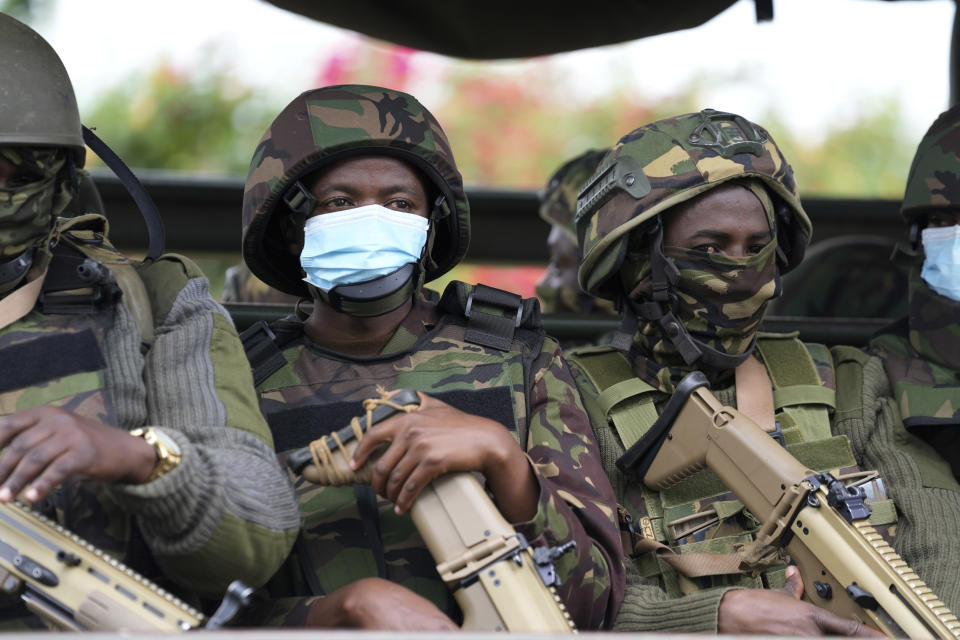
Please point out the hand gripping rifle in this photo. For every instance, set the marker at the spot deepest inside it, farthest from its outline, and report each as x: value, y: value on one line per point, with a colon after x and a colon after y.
x: 847, y: 567
x: 72, y: 585
x: 500, y: 582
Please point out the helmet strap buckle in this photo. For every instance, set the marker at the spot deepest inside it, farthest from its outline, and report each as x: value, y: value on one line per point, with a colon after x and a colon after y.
x: 299, y: 199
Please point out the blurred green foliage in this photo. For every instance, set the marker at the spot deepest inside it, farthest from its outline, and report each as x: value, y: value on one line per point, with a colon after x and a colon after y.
x: 508, y: 128
x: 203, y: 121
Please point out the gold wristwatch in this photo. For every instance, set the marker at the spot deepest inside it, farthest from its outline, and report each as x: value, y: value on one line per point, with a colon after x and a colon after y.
x: 168, y: 453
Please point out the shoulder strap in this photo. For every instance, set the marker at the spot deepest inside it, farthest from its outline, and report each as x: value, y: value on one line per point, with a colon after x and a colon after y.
x: 625, y: 399
x: 264, y: 344
x: 495, y: 318
x: 849, y: 363
x: 87, y: 274
x: 800, y: 396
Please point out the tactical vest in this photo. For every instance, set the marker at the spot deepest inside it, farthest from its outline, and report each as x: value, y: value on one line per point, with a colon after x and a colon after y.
x: 55, y: 355
x: 699, y: 515
x: 477, y: 357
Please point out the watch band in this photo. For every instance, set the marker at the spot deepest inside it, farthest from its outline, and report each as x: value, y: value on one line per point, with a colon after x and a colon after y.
x: 168, y: 453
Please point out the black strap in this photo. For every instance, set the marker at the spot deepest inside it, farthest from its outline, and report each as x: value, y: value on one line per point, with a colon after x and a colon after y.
x: 50, y: 356
x: 296, y: 427
x: 71, y: 270
x: 264, y: 343
x: 307, y: 568
x: 149, y: 211
x: 494, y: 330
x: 370, y: 517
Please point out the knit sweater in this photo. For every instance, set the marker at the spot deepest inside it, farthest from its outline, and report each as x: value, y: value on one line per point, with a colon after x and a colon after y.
x: 227, y: 511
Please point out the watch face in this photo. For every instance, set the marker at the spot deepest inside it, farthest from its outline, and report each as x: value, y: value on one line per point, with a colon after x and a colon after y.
x: 167, y: 442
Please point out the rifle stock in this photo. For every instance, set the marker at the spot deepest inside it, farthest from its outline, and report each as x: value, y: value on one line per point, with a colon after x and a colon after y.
x: 498, y: 580
x: 847, y: 567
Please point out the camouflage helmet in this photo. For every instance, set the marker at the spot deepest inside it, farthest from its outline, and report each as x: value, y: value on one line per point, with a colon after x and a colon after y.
x: 558, y: 200
x: 662, y: 164
x: 332, y: 123
x: 37, y: 105
x: 934, y: 178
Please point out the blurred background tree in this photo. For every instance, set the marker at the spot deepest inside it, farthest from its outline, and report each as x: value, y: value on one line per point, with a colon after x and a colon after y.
x: 506, y: 130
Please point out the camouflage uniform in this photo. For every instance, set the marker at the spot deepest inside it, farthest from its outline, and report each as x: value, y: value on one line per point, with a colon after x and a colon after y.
x: 517, y: 378
x: 687, y: 310
x: 141, y: 344
x: 921, y: 351
x: 239, y: 285
x: 558, y: 290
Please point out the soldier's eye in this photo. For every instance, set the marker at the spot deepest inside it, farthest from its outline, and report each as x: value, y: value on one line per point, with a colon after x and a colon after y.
x: 707, y: 248
x: 338, y: 202
x: 401, y: 203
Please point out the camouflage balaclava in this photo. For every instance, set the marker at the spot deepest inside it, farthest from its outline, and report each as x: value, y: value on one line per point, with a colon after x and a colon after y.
x: 323, y: 126
x: 558, y: 290
x: 40, y: 135
x: 921, y: 353
x: 686, y: 309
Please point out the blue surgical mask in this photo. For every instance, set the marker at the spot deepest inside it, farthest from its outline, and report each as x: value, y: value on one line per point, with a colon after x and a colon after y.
x: 941, y: 261
x: 356, y: 245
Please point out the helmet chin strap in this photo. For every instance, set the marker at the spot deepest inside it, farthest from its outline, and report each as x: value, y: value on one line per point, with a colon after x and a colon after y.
x: 374, y: 297
x: 664, y: 276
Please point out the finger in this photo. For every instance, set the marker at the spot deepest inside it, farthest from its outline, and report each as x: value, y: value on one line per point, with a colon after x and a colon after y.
x: 422, y: 475
x: 399, y: 474
x: 13, y: 454
x: 33, y: 463
x: 384, y: 466
x: 53, y: 475
x: 11, y: 425
x: 378, y: 434
x: 794, y: 582
x: 835, y: 625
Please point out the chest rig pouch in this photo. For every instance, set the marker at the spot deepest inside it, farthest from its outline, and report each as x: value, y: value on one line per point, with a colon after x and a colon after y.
x: 698, y: 515
x: 475, y: 353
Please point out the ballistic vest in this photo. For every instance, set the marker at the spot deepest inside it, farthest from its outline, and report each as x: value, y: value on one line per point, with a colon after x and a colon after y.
x: 699, y: 514
x: 474, y: 352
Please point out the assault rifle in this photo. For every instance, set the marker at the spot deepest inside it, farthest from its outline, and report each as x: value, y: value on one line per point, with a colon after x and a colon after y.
x: 847, y: 567
x: 72, y: 585
x: 500, y: 582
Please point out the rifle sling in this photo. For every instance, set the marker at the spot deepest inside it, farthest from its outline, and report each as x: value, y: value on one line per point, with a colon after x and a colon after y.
x: 20, y: 302
x: 755, y: 393
x: 692, y: 565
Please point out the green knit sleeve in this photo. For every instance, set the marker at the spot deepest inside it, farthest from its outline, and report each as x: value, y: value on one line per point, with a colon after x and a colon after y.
x: 929, y: 516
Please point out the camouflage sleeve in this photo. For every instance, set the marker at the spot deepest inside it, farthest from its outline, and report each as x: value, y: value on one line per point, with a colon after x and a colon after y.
x: 928, y: 510
x: 576, y: 500
x: 227, y: 511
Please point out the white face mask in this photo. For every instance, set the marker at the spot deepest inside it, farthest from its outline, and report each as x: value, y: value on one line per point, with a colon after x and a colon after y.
x: 941, y: 261
x: 356, y: 245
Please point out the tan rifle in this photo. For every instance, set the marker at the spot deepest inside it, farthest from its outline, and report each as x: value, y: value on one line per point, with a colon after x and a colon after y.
x: 499, y: 581
x: 847, y: 567
x: 72, y: 585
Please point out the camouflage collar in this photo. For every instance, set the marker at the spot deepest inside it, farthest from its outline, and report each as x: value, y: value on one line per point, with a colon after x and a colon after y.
x: 423, y: 316
x: 920, y: 356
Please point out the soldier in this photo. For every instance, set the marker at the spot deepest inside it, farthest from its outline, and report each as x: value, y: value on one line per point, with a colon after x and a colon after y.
x: 921, y: 351
x: 354, y: 200
x: 126, y: 407
x: 689, y: 223
x: 558, y: 290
